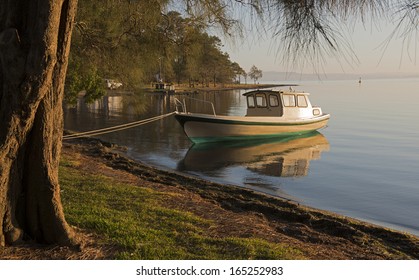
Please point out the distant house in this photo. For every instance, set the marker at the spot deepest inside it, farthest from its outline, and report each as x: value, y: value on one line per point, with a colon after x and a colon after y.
x: 112, y: 84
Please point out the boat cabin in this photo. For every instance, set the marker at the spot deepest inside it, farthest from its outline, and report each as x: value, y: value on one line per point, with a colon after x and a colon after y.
x: 286, y: 104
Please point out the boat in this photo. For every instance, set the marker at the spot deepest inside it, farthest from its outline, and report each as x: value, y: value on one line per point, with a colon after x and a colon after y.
x: 269, y: 114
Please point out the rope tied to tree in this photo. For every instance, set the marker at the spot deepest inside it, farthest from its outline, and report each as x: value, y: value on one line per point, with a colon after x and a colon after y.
x: 116, y: 128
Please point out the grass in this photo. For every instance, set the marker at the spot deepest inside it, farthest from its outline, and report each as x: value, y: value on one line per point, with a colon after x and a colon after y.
x: 134, y: 220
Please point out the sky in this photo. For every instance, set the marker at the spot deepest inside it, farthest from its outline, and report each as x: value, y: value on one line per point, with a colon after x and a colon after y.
x: 367, y: 41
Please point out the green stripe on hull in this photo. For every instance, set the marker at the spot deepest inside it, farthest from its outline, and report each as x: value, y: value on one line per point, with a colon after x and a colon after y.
x: 200, y: 140
x: 182, y: 119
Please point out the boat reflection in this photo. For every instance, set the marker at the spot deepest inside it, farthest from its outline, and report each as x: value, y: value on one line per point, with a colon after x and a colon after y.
x: 280, y: 157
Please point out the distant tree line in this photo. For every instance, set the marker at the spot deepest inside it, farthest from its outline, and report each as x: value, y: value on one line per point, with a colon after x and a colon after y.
x: 137, y: 43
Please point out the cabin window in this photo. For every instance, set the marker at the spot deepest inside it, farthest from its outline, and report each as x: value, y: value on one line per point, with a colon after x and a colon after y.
x: 273, y: 100
x: 250, y: 101
x: 289, y: 100
x: 261, y: 100
x: 301, y: 101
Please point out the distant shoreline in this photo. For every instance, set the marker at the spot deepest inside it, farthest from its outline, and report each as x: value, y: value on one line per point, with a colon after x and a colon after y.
x: 184, y: 89
x: 249, y: 87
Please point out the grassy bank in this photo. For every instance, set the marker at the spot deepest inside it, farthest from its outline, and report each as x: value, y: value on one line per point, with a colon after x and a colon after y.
x: 122, y: 209
x: 145, y: 213
x: 134, y: 220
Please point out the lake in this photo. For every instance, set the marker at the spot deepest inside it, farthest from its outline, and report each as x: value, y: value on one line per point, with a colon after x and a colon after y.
x: 365, y: 164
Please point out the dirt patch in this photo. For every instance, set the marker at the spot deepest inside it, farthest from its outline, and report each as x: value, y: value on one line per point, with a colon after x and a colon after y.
x: 89, y: 249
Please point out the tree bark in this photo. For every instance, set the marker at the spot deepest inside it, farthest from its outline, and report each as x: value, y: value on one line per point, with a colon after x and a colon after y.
x: 34, y: 47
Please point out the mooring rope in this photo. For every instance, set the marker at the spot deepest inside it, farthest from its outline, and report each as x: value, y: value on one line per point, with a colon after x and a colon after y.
x: 115, y: 128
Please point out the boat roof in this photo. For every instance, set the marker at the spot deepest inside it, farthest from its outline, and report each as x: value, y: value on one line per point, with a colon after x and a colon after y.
x: 275, y: 91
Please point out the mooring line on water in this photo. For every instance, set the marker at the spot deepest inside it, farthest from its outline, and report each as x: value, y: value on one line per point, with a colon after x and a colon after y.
x: 115, y: 128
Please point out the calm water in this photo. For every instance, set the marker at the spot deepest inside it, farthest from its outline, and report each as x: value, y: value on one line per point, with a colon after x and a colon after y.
x: 365, y: 164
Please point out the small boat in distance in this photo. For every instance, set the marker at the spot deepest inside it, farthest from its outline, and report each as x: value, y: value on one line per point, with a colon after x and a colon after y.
x: 269, y: 114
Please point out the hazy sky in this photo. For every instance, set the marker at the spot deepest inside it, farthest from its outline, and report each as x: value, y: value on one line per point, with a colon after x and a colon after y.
x: 366, y: 43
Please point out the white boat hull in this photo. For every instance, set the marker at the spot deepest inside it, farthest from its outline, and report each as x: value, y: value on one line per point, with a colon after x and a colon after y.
x: 208, y: 128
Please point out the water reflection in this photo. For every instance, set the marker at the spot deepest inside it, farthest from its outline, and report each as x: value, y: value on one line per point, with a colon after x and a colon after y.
x: 279, y: 157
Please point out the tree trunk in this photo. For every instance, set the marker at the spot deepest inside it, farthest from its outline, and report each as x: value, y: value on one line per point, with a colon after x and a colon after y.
x: 34, y: 48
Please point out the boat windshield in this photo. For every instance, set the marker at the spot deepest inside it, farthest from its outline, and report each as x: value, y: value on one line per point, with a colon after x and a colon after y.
x: 250, y: 101
x: 301, y: 101
x: 273, y: 100
x: 289, y: 100
x: 261, y: 100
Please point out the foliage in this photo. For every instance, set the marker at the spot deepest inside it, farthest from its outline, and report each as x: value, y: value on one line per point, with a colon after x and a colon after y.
x: 314, y: 31
x: 238, y: 72
x: 406, y: 19
x: 88, y: 83
x: 136, y: 41
x: 255, y: 73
